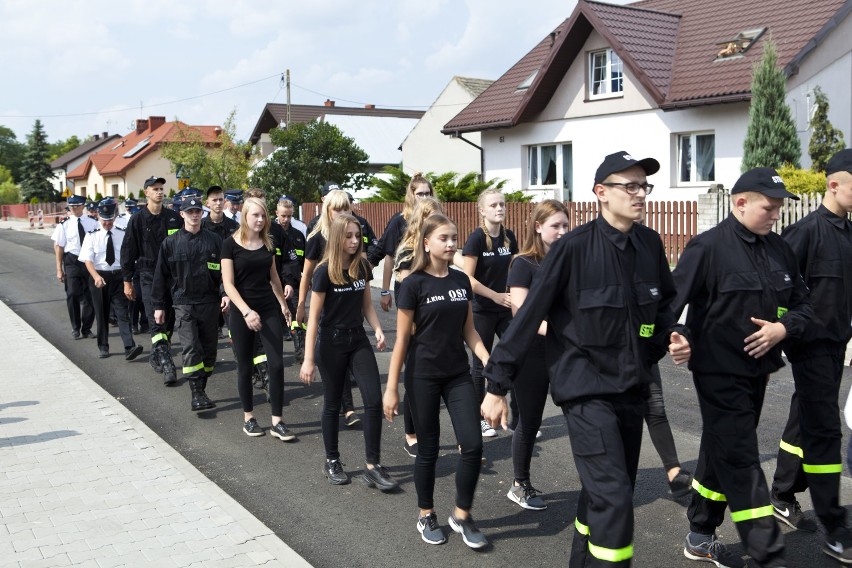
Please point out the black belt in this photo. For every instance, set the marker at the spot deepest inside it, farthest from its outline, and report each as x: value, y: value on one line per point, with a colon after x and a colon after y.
x: 109, y: 272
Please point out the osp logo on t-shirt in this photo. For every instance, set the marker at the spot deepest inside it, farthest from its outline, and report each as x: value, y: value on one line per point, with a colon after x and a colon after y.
x: 458, y: 295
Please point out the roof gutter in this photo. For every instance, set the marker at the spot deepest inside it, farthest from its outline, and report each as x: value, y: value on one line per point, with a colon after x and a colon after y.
x: 792, y: 68
x: 724, y: 99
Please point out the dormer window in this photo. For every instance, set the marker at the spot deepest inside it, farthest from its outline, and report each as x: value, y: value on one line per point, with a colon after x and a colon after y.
x: 736, y: 46
x: 527, y: 82
x: 606, y: 76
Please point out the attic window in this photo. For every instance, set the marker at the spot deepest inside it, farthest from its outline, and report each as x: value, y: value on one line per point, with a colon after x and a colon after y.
x: 527, y: 82
x: 138, y: 148
x: 739, y: 44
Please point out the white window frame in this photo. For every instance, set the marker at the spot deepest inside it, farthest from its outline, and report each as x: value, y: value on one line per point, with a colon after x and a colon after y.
x: 614, y: 71
x: 692, y: 137
x: 558, y: 187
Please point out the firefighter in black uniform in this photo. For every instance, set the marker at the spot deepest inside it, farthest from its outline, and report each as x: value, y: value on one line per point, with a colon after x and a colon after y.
x: 745, y: 296
x: 810, y: 446
x: 189, y: 270
x: 146, y: 231
x: 67, y: 240
x: 219, y: 223
x: 296, y: 243
x: 606, y: 291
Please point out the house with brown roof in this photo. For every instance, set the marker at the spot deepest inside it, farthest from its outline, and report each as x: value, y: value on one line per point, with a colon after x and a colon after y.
x: 276, y: 115
x: 664, y: 78
x: 123, y: 165
x: 427, y: 149
x: 70, y: 160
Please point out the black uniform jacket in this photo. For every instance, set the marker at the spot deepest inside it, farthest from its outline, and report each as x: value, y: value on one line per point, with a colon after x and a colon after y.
x: 296, y: 242
x: 822, y: 242
x: 604, y: 329
x: 728, y: 275
x: 224, y: 229
x: 142, y: 239
x: 189, y: 266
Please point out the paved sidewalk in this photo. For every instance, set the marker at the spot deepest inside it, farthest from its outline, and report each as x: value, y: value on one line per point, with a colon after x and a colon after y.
x: 84, y: 483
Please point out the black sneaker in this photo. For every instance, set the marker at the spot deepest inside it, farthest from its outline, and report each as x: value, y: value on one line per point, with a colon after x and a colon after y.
x: 104, y: 353
x: 707, y: 548
x: 790, y: 513
x: 75, y: 334
x: 380, y: 478
x: 410, y: 449
x: 252, y: 428
x: 352, y: 420
x: 470, y: 534
x: 681, y: 485
x: 88, y: 335
x: 429, y: 530
x: 838, y: 545
x: 333, y: 470
x: 132, y: 353
x: 283, y: 433
x: 526, y: 496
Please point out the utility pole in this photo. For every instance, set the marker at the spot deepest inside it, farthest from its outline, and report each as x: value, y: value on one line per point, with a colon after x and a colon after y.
x: 288, y: 100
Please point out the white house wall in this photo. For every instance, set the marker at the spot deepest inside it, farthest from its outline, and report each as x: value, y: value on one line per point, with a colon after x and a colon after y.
x: 427, y: 150
x: 643, y: 133
x: 828, y: 66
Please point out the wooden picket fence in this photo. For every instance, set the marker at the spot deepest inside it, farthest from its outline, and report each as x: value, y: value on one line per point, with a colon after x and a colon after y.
x: 676, y: 221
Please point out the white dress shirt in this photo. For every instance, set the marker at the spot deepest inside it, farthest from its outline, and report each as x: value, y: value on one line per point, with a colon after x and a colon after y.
x: 94, y: 248
x: 67, y: 235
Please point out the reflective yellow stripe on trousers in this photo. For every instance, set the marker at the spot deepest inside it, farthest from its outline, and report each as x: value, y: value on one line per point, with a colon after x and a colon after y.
x: 601, y: 553
x: 751, y: 514
x: 791, y: 449
x: 259, y: 359
x: 707, y: 493
x: 826, y: 468
x: 188, y: 370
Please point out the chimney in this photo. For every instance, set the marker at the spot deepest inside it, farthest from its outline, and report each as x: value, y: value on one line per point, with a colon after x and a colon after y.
x: 97, y: 137
x: 371, y: 107
x: 141, y: 125
x: 156, y: 122
x: 329, y: 103
x: 217, y: 130
x: 105, y: 135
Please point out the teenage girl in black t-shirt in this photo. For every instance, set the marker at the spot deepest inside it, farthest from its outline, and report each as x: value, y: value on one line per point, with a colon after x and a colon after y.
x: 337, y: 343
x: 418, y: 188
x: 251, y: 281
x: 434, y: 321
x: 548, y: 222
x: 424, y: 207
x: 487, y: 254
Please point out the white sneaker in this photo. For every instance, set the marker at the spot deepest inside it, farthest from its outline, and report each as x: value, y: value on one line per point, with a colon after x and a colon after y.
x: 487, y: 430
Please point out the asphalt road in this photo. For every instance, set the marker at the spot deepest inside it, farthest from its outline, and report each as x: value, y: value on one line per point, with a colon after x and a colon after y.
x: 353, y: 526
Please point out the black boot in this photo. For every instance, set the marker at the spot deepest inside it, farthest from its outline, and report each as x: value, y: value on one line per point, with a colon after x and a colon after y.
x: 156, y: 359
x: 208, y: 404
x: 195, y: 387
x: 168, y: 366
x: 299, y: 344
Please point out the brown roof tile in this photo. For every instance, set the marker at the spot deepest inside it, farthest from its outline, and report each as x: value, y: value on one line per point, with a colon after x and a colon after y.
x: 668, y: 45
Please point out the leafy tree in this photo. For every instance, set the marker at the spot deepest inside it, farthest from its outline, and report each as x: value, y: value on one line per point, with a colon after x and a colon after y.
x: 37, y: 173
x: 307, y: 156
x: 771, y: 140
x: 225, y: 162
x: 9, y: 192
x: 826, y: 140
x: 62, y: 147
x: 11, y: 152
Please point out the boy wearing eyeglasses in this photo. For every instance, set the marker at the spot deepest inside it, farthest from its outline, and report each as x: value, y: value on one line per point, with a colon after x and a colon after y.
x: 606, y: 291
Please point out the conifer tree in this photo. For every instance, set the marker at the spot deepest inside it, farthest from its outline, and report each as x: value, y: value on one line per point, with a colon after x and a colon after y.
x: 826, y: 140
x: 36, y: 172
x: 771, y: 139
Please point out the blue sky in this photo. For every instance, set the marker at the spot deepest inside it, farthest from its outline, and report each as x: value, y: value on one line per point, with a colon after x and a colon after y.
x: 86, y: 66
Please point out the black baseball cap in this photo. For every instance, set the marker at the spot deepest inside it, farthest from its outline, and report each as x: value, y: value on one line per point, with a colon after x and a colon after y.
x: 152, y: 180
x: 765, y: 181
x: 840, y: 162
x: 329, y: 186
x: 620, y: 161
x: 191, y: 203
